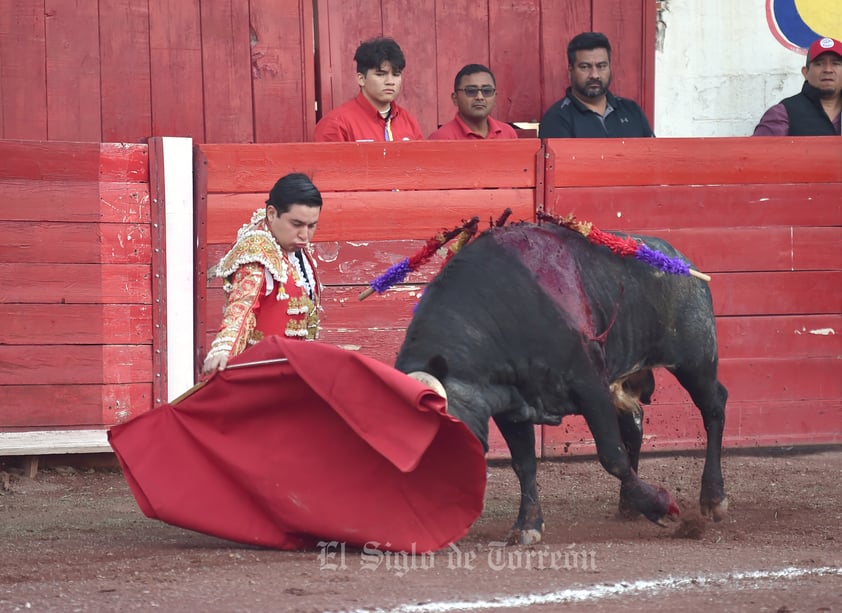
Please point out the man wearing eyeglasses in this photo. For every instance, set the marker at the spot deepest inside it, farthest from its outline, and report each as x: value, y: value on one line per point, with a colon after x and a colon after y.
x: 474, y: 94
x: 589, y: 109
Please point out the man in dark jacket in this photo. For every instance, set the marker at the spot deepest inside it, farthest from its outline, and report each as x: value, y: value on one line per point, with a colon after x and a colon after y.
x: 817, y: 110
x: 589, y: 109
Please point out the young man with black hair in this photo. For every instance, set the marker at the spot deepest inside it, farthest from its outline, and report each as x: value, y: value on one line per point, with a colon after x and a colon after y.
x: 373, y: 115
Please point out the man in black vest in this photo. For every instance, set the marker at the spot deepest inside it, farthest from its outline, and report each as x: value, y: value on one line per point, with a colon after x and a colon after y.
x: 817, y: 110
x: 589, y: 109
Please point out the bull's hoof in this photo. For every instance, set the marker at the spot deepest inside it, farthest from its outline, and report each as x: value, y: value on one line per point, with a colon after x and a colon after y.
x: 654, y: 502
x: 717, y: 512
x: 672, y: 518
x: 524, y: 537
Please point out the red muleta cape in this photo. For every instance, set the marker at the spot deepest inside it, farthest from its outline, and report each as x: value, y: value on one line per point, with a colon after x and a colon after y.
x: 323, y: 445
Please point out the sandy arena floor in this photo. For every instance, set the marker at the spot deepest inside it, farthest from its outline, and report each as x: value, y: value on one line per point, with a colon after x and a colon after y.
x: 74, y: 540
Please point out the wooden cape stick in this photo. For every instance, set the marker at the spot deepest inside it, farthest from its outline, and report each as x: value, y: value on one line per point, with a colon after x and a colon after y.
x: 204, y: 382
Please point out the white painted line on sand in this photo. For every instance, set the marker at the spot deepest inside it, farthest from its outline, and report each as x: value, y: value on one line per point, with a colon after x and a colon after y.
x: 598, y: 592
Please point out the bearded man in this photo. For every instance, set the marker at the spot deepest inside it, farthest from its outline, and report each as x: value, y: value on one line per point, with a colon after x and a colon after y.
x: 589, y: 109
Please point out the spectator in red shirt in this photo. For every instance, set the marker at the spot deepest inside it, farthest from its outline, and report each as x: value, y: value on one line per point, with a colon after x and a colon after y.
x: 474, y: 94
x: 373, y: 115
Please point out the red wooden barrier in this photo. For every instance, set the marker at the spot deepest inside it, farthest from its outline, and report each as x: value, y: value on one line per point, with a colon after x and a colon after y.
x: 767, y: 226
x: 77, y: 344
x: 76, y: 341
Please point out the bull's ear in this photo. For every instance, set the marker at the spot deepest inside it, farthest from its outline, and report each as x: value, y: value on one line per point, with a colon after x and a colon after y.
x: 437, y: 366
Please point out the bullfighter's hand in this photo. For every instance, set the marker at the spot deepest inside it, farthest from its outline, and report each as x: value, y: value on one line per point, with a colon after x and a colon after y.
x: 215, y: 362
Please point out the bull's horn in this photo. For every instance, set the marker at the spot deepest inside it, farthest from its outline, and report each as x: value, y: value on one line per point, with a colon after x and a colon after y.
x: 430, y: 381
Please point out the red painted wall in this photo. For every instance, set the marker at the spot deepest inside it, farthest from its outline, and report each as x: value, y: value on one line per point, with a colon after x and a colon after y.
x: 243, y: 72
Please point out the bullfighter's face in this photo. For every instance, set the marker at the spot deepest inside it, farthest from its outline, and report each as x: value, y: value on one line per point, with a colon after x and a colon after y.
x: 294, y: 229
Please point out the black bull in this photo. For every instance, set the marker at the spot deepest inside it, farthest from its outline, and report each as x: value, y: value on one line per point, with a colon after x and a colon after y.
x: 530, y: 323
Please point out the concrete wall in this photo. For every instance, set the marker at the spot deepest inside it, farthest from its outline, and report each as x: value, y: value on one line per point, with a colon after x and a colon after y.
x: 720, y: 64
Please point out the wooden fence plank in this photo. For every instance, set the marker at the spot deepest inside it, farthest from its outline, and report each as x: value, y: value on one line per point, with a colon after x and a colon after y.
x: 226, y: 61
x: 665, y: 161
x: 125, y: 78
x: 635, y: 208
x: 175, y: 68
x: 48, y: 161
x: 73, y: 71
x: 795, y: 336
x: 283, y: 74
x: 82, y: 324
x: 370, y: 216
x: 785, y: 423
x: 75, y: 243
x: 515, y: 42
x: 712, y: 250
x: 23, y: 82
x: 26, y: 200
x: 92, y: 364
x: 77, y: 283
x: 757, y: 249
x: 379, y: 166
x: 50, y: 406
x: 777, y: 293
x: 121, y: 203
x: 378, y: 343
x: 765, y: 294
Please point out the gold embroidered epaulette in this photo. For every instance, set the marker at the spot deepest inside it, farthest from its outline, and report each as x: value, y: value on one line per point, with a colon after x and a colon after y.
x: 255, y: 244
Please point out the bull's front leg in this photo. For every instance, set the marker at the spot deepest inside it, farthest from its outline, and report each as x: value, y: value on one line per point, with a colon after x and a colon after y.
x: 654, y: 502
x: 635, y: 389
x: 631, y: 431
x: 520, y: 438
